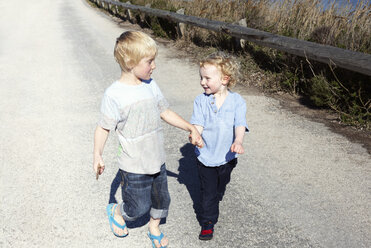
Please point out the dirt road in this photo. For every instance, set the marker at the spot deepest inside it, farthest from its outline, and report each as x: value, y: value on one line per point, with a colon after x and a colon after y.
x: 297, y: 185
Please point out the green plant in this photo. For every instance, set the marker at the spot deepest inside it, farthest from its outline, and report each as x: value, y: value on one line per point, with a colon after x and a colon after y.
x: 319, y: 91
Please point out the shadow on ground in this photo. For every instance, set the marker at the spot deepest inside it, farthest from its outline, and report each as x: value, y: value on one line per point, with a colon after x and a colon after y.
x: 188, y: 175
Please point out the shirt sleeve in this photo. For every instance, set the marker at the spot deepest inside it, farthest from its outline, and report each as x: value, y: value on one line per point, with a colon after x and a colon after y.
x: 109, y: 113
x: 197, y: 115
x: 240, y: 113
x: 162, y: 103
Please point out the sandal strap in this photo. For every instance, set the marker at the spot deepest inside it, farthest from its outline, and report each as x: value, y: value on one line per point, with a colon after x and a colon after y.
x: 158, y: 238
x: 113, y: 218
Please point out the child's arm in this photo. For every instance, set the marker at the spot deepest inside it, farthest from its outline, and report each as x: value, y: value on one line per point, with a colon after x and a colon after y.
x: 175, y: 120
x: 237, y: 144
x: 100, y: 138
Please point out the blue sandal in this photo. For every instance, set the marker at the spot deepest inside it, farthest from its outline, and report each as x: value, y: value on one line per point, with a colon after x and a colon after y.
x: 111, y: 217
x: 158, y: 238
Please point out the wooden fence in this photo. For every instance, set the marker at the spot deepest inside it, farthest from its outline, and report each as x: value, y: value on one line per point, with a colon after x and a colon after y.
x: 354, y: 61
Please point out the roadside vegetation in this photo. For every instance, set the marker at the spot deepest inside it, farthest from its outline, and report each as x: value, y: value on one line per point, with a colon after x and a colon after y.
x: 318, y: 85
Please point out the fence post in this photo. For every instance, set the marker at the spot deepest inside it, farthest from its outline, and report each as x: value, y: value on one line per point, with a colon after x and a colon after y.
x: 181, y: 27
x: 142, y: 15
x: 130, y: 14
x: 242, y: 23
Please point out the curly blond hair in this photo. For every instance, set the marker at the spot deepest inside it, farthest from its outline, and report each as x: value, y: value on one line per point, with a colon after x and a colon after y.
x: 227, y: 65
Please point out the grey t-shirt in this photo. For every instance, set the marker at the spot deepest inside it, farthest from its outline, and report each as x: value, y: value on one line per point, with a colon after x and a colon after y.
x: 133, y: 111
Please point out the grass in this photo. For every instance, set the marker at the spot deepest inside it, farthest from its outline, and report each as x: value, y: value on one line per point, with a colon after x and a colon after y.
x: 343, y: 26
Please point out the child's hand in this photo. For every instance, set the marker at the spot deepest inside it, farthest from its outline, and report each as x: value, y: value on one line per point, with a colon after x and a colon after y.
x: 98, y: 166
x: 195, y: 138
x: 237, y: 148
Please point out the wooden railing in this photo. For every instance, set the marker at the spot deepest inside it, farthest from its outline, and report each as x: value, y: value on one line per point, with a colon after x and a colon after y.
x: 335, y: 57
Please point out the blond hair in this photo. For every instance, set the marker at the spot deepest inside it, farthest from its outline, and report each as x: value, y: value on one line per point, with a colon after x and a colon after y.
x: 131, y: 47
x: 227, y: 65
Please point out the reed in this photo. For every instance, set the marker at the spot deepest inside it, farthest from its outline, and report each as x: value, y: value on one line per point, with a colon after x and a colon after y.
x: 343, y: 26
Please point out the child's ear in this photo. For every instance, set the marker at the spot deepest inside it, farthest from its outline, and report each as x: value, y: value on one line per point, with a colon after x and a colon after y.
x: 225, y: 79
x: 130, y: 63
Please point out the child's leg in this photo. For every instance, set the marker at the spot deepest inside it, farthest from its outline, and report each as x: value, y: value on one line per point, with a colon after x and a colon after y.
x: 160, y: 196
x: 224, y: 172
x: 136, y: 194
x: 154, y: 229
x: 209, y: 200
x: 117, y: 216
x: 160, y: 204
x: 136, y: 200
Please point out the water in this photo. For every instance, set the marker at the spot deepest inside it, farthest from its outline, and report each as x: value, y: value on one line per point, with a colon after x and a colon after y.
x: 344, y: 2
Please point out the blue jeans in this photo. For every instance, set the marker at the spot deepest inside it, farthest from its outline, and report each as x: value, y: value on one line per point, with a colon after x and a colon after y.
x: 213, y: 182
x: 142, y: 192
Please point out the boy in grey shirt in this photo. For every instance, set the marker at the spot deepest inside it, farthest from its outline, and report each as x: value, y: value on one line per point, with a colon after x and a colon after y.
x: 133, y: 106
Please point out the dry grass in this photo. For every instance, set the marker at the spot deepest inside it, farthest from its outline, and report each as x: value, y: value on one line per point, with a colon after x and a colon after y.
x: 338, y: 26
x: 341, y: 26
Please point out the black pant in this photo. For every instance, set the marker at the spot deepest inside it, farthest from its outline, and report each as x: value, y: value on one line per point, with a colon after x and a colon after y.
x: 213, y: 182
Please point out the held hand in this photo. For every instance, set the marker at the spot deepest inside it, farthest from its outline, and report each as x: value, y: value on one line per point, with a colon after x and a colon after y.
x: 98, y: 165
x: 237, y: 148
x: 196, y: 139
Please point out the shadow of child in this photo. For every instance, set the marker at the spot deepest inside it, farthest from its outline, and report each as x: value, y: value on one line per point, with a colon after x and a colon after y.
x: 188, y: 175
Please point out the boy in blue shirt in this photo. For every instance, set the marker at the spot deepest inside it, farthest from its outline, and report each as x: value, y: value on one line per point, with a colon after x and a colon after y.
x: 133, y: 107
x: 220, y: 117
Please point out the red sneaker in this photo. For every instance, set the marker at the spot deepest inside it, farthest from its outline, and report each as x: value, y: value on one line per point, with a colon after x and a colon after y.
x: 207, y: 231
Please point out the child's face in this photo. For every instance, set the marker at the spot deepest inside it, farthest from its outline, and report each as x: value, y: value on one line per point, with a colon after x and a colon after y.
x: 144, y: 68
x: 212, y: 79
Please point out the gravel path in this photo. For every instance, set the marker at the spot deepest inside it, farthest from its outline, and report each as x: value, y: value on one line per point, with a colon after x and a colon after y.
x: 297, y: 185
